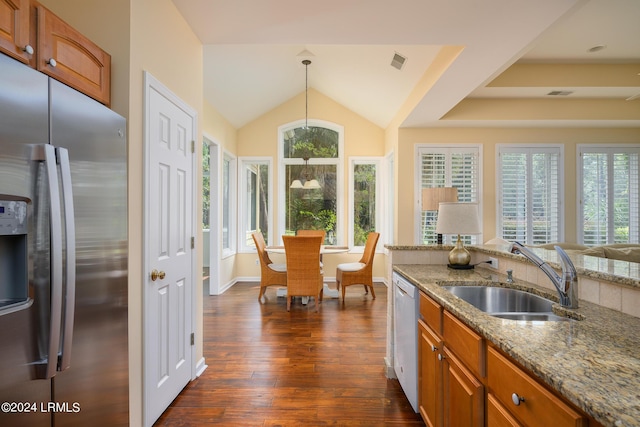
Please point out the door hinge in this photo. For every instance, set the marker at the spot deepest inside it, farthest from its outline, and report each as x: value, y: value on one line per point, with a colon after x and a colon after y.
x: 193, y: 243
x: 193, y: 339
x: 193, y: 146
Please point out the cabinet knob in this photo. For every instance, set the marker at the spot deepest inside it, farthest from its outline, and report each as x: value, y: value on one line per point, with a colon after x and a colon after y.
x: 52, y: 62
x: 516, y: 399
x: 433, y: 347
x: 28, y: 49
x: 441, y: 356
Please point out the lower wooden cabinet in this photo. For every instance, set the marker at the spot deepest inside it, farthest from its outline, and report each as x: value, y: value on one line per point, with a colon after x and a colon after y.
x: 463, y: 394
x: 429, y: 376
x: 525, y: 398
x: 465, y: 381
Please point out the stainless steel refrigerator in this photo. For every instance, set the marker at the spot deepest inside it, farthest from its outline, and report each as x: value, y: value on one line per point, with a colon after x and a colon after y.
x: 63, y: 255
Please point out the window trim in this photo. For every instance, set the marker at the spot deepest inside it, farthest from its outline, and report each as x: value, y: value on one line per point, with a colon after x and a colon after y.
x: 337, y: 161
x: 242, y: 200
x: 389, y: 201
x: 364, y: 160
x: 442, y: 148
x: 231, y: 250
x: 613, y: 148
x: 531, y: 149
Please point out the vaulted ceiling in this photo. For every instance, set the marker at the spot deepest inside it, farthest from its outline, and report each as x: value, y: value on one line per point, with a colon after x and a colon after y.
x: 468, y: 62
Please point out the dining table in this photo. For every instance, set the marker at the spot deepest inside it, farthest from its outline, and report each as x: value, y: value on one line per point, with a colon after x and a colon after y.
x: 324, y: 250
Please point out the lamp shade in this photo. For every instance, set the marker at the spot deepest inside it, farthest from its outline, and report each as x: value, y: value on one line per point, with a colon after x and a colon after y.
x: 458, y: 218
x: 311, y: 185
x: 431, y: 197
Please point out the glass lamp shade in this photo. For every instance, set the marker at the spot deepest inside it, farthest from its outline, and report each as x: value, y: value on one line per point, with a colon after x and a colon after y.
x: 296, y: 184
x: 311, y: 184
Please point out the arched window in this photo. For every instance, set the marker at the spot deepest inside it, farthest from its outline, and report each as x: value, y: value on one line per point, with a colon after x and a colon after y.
x: 311, y: 178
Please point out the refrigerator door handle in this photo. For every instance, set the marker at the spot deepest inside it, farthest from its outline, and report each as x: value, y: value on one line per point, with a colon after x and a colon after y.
x: 70, y: 267
x: 55, y: 260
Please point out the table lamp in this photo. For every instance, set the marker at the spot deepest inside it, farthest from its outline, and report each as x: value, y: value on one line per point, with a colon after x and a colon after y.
x: 431, y: 198
x: 458, y: 218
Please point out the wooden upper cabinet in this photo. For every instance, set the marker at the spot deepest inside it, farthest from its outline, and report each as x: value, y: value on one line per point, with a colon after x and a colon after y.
x: 68, y: 56
x: 15, y: 34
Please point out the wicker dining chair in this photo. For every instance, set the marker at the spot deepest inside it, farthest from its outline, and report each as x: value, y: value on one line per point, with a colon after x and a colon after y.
x: 304, y: 275
x: 270, y: 274
x: 312, y: 233
x: 361, y: 272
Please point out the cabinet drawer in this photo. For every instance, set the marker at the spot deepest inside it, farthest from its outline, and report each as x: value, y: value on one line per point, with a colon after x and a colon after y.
x: 539, y: 407
x: 431, y: 312
x: 465, y: 343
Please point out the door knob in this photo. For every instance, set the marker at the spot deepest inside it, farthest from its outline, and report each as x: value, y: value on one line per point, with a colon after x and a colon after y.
x: 155, y: 275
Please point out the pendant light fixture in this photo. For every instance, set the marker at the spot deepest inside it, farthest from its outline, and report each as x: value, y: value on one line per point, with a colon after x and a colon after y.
x: 309, y: 183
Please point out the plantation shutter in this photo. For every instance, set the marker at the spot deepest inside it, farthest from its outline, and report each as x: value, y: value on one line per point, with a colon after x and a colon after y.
x: 529, y: 194
x: 448, y: 167
x: 609, y: 196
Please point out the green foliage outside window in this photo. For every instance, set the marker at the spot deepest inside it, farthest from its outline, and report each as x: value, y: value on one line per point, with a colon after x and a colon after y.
x: 206, y: 187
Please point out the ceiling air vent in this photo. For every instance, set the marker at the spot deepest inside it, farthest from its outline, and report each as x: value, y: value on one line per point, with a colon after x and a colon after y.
x: 560, y: 93
x: 398, y: 61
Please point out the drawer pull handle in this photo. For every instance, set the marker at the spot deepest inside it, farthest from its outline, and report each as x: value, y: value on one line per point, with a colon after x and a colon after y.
x: 433, y: 347
x: 441, y: 356
x: 52, y: 62
x: 28, y: 49
x: 516, y: 399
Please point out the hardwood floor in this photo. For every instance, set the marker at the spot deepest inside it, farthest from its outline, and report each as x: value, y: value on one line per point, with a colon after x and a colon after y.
x: 268, y: 367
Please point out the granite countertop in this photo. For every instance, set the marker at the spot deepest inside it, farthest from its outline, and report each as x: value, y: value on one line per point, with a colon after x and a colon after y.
x: 620, y: 272
x: 593, y: 362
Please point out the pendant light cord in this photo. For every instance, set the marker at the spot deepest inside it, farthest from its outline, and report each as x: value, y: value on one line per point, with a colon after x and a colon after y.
x: 306, y: 63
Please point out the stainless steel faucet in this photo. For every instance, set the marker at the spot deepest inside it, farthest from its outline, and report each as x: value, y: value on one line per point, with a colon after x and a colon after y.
x: 567, y: 284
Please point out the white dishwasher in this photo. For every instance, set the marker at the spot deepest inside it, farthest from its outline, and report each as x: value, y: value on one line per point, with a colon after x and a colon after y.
x: 405, y: 331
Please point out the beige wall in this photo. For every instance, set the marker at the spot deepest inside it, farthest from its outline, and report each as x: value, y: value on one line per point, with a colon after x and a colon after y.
x: 489, y: 137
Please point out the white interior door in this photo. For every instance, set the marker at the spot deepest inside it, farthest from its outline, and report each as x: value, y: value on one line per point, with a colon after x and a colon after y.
x: 169, y: 285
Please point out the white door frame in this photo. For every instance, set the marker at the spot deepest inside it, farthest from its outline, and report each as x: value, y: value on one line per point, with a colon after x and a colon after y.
x: 215, y: 166
x: 151, y: 83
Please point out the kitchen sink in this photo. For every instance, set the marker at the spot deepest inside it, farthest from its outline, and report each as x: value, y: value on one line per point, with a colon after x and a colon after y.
x: 531, y: 317
x: 506, y: 303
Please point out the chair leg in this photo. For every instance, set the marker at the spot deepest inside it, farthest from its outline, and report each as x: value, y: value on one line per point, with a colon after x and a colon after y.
x: 343, y: 289
x: 262, y: 289
x: 373, y: 293
x: 366, y: 289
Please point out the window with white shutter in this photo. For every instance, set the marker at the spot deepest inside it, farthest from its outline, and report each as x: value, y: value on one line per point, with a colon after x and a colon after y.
x: 529, y: 194
x: 608, y: 193
x: 455, y: 166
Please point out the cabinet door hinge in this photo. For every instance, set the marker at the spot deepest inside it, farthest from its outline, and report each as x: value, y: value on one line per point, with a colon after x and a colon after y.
x: 193, y: 146
x: 193, y: 339
x: 193, y: 243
